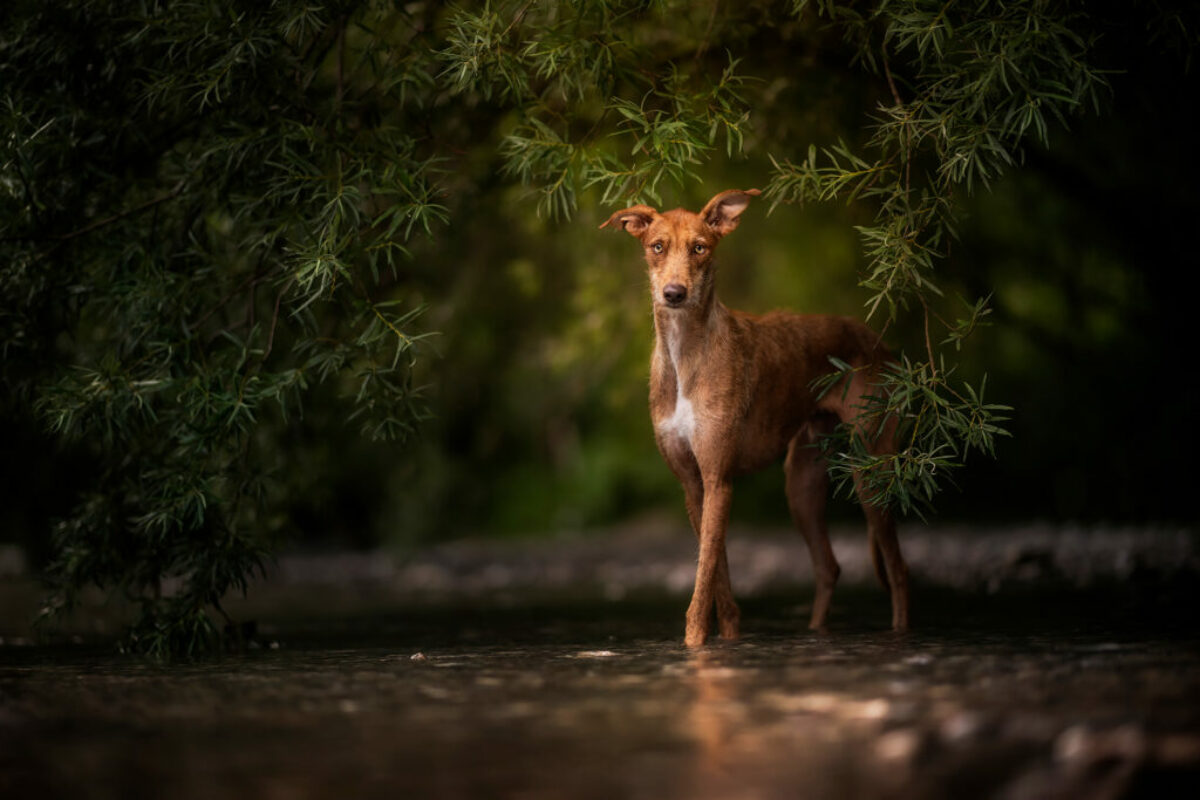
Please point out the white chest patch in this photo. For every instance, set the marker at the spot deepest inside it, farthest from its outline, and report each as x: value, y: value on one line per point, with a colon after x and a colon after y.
x: 682, y: 423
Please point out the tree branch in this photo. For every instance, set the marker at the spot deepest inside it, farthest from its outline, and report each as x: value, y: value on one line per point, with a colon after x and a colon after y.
x: 171, y: 195
x: 275, y: 320
x: 251, y: 281
x: 887, y: 72
x: 101, y: 223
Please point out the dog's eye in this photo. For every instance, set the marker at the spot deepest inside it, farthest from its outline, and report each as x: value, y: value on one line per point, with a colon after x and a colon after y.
x: 699, y: 248
x: 657, y: 247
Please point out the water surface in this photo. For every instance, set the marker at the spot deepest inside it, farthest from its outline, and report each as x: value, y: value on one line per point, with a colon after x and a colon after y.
x: 1040, y: 693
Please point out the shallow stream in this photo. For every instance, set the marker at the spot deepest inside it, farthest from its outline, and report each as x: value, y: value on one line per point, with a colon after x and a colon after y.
x: 1039, y: 689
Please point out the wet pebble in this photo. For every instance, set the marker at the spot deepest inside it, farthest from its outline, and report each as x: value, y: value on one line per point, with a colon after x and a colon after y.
x: 435, y: 692
x: 876, y: 709
x: 1079, y: 744
x: 961, y: 727
x: 899, y: 747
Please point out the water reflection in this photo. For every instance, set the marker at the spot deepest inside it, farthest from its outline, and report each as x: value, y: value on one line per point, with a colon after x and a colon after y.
x: 714, y: 717
x: 758, y: 734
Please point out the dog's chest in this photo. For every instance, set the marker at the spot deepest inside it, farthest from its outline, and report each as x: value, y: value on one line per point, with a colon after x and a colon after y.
x: 681, y: 423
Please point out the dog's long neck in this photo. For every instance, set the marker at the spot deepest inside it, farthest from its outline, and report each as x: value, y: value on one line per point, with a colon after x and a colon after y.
x: 684, y: 337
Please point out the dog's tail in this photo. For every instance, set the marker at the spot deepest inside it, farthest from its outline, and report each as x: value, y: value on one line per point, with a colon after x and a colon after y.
x: 877, y: 560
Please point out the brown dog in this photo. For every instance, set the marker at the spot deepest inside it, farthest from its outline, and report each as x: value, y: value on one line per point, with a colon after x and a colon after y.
x: 732, y: 392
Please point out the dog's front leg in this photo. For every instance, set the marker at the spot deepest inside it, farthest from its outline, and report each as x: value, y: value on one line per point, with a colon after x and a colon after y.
x: 728, y: 614
x: 715, y: 517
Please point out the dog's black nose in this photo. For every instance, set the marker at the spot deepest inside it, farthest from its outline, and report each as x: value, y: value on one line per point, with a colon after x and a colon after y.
x: 674, y: 293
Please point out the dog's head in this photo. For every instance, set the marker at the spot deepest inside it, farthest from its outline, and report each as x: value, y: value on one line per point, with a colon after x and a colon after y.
x: 679, y: 244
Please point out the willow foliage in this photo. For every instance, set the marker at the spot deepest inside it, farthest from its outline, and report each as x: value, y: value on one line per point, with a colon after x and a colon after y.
x: 202, y: 210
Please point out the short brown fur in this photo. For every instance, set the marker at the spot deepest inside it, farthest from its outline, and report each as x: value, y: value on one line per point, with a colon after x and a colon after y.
x: 731, y: 392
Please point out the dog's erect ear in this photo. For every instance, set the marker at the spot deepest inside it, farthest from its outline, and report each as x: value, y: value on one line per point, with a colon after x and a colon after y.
x: 635, y: 219
x: 722, y: 212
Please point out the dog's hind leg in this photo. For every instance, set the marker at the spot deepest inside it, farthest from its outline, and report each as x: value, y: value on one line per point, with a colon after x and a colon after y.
x: 881, y: 535
x: 882, y: 542
x: 807, y: 493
